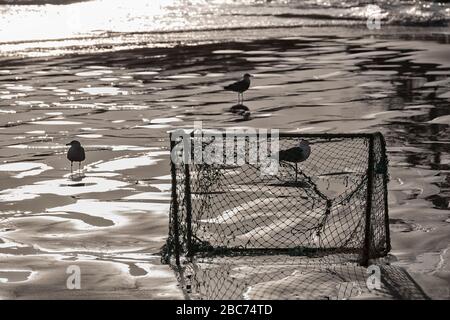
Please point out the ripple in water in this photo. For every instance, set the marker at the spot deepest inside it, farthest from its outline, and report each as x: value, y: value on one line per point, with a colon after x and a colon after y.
x: 26, y: 169
x: 61, y: 187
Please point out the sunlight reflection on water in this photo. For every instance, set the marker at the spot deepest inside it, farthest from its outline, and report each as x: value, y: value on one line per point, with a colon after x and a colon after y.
x: 61, y: 187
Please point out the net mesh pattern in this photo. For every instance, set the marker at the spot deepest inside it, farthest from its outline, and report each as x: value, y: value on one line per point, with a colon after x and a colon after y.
x: 334, y: 202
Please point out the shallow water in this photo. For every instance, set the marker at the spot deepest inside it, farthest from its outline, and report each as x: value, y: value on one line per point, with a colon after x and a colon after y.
x: 112, y: 218
x: 135, y: 24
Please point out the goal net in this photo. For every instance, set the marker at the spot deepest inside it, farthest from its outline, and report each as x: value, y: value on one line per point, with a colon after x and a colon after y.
x: 334, y: 201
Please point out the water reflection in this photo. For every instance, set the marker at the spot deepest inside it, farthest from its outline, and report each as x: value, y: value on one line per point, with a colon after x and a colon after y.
x: 77, y: 177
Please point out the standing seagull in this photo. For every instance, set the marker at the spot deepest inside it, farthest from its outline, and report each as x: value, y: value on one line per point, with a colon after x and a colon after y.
x: 75, y: 154
x: 295, y: 154
x: 240, y: 87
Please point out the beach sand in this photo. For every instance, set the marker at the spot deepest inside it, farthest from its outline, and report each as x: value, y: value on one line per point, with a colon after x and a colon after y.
x: 112, y: 220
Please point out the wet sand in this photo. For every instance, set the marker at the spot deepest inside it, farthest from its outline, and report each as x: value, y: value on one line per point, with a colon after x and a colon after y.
x: 112, y: 219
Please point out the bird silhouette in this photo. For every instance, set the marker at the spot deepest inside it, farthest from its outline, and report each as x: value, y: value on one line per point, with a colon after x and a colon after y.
x: 295, y: 154
x: 240, y: 87
x: 75, y: 154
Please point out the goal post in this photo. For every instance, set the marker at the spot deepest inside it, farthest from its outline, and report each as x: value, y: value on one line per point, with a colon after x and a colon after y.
x: 229, y: 203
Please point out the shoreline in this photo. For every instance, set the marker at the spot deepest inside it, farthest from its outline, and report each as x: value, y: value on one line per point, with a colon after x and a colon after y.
x: 121, y: 41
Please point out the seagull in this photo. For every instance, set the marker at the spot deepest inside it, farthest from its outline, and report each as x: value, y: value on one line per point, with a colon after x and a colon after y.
x: 240, y: 87
x: 75, y: 154
x: 295, y: 154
